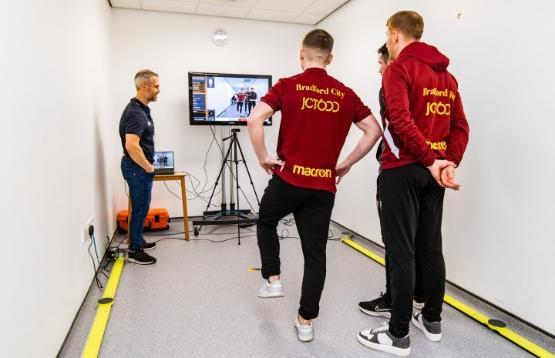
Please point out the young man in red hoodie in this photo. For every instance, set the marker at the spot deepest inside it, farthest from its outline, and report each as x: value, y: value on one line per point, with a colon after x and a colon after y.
x: 317, y: 112
x: 381, y: 306
x: 425, y: 139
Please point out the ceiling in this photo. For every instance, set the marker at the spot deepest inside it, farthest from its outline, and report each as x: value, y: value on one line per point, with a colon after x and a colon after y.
x: 308, y: 12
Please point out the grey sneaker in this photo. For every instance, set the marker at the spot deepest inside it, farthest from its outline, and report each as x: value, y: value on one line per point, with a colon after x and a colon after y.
x: 382, y: 340
x: 269, y: 290
x: 432, y: 330
x: 305, y: 332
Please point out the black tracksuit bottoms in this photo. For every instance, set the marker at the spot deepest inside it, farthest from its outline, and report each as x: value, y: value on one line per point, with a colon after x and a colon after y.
x: 419, y: 294
x: 411, y: 214
x: 312, y: 212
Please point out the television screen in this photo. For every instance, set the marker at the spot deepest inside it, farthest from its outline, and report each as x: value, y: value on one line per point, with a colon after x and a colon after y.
x: 225, y: 99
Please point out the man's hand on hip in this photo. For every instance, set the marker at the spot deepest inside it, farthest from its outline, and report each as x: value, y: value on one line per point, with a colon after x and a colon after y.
x: 269, y: 163
x: 340, y: 170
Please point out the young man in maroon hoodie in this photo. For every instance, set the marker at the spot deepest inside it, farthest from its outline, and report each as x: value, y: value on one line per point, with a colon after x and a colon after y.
x: 317, y: 112
x: 425, y: 139
x: 381, y: 306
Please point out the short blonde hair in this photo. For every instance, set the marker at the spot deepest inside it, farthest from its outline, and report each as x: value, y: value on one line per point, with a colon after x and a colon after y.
x: 143, y: 76
x: 409, y: 23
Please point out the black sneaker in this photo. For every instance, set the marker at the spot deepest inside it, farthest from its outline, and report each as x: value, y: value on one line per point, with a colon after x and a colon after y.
x: 378, y: 307
x: 148, y: 245
x: 432, y: 330
x: 382, y: 340
x: 140, y: 257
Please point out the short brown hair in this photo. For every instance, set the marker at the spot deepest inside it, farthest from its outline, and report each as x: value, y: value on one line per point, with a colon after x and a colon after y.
x: 319, y: 39
x: 142, y: 76
x: 384, y: 53
x: 409, y: 23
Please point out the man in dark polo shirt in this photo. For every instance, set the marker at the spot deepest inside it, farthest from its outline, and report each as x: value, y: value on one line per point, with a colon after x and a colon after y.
x: 251, y: 98
x: 317, y: 112
x: 136, y: 130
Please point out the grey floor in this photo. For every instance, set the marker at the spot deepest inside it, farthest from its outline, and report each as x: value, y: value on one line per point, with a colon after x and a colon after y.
x: 200, y: 300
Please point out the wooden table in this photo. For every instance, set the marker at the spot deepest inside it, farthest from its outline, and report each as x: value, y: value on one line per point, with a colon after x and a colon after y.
x: 170, y: 177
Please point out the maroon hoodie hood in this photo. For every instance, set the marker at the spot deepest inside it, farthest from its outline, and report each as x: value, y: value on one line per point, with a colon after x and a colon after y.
x: 425, y: 118
x: 427, y: 54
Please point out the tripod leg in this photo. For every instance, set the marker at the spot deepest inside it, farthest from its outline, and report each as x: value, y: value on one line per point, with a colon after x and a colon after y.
x: 248, y: 172
x: 235, y: 144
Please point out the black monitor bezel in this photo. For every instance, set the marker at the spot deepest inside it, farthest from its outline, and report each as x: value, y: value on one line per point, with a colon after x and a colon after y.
x: 192, y: 122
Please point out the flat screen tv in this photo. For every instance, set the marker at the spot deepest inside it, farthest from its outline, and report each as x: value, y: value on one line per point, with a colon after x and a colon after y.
x: 225, y: 99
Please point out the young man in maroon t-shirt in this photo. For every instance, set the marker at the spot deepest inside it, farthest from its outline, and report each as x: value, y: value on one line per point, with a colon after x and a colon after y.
x: 425, y: 140
x: 316, y: 114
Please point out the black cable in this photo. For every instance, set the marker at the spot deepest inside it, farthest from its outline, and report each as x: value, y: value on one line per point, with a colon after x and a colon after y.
x: 98, y: 284
x: 225, y: 240
x: 196, y: 192
x: 174, y: 194
x: 190, y: 231
x: 95, y: 249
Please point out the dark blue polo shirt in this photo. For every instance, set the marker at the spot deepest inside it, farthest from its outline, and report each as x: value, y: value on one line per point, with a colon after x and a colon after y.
x: 136, y: 120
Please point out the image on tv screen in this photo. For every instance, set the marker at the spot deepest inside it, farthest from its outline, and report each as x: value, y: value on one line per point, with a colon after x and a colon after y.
x: 225, y: 98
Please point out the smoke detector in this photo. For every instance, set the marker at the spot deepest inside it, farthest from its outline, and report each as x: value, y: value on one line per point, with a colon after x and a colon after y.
x: 219, y: 36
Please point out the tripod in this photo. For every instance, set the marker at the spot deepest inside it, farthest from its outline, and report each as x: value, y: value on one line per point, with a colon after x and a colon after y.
x: 234, y: 215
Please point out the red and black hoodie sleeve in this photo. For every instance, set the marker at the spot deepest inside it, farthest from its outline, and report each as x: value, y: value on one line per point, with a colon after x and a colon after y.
x: 458, y: 133
x: 397, y: 100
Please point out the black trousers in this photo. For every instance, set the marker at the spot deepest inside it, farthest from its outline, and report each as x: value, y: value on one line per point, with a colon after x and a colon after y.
x: 411, y: 214
x: 419, y: 294
x: 250, y: 105
x: 312, y: 211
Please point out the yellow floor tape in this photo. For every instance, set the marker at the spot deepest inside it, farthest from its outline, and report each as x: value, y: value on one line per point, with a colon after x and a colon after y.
x: 469, y: 311
x: 92, y: 346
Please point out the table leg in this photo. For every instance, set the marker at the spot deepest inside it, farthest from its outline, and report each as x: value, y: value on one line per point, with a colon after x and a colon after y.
x: 185, y: 215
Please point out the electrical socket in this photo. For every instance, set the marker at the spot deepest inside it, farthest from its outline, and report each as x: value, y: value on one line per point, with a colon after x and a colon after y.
x: 85, y: 230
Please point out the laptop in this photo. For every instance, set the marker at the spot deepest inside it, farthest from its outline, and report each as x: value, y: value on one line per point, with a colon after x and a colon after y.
x: 163, y: 163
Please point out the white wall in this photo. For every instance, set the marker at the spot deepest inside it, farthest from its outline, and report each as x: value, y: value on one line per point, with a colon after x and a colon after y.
x: 55, y: 102
x: 68, y: 70
x: 172, y: 45
x: 498, y: 232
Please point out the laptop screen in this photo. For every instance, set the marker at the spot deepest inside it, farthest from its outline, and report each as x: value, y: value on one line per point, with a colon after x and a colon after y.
x: 163, y: 160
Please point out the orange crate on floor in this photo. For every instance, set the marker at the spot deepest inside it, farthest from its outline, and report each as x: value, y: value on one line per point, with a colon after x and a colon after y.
x: 156, y: 219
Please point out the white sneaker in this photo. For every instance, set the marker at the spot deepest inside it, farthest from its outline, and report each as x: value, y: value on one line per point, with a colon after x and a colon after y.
x: 305, y: 333
x: 382, y: 340
x: 269, y: 290
x: 417, y: 305
x: 432, y: 330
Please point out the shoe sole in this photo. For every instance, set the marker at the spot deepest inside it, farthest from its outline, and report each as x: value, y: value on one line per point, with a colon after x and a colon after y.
x: 305, y: 339
x: 434, y: 337
x: 149, y: 249
x: 140, y: 262
x: 402, y: 352
x: 274, y: 295
x: 302, y: 338
x: 375, y: 314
